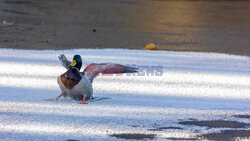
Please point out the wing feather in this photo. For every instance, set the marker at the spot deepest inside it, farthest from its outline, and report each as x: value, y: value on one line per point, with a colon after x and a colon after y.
x: 93, y: 70
x: 64, y: 61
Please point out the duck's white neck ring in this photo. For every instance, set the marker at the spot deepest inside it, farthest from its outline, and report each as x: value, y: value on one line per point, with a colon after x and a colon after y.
x: 76, y: 68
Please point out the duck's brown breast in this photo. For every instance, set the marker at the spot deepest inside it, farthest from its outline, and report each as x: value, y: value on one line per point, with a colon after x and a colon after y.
x: 69, y: 82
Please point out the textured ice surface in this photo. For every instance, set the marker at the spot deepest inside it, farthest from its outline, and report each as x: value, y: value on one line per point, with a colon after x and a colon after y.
x: 202, y: 86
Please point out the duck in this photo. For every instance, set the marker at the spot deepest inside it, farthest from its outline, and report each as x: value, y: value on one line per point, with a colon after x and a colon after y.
x: 78, y: 85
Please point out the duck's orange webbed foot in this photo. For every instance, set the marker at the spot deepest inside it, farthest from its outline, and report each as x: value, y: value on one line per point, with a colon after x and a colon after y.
x: 83, y: 101
x: 53, y: 99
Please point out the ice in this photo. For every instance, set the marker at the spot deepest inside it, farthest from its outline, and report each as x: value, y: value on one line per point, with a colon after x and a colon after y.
x: 203, y: 86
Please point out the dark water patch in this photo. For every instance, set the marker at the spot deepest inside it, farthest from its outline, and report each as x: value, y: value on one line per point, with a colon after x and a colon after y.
x: 165, y: 128
x: 129, y: 2
x: 17, y: 2
x: 215, y: 124
x: 16, y: 12
x: 242, y: 116
x: 72, y: 140
x: 134, y: 136
x: 188, y: 25
x: 227, y: 135
x: 182, y: 139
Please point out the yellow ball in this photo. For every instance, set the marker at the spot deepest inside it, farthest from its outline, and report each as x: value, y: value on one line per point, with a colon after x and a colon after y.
x: 151, y: 46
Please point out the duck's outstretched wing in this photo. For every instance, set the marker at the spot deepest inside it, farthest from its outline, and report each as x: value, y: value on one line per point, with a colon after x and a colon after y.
x: 93, y: 70
x: 64, y: 61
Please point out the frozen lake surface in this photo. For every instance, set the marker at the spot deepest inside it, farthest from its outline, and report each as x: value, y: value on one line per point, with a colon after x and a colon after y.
x: 194, y: 86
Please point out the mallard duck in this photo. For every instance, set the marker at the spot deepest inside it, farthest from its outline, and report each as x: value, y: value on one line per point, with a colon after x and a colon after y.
x: 78, y: 85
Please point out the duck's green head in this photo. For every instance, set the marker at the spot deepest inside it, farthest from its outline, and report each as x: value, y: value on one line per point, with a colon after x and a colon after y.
x: 77, y: 62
